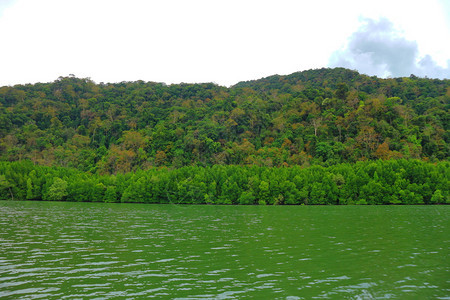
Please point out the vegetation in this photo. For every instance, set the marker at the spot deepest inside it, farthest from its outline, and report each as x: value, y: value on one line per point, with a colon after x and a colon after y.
x: 203, y: 143
x: 370, y: 182
x: 324, y: 116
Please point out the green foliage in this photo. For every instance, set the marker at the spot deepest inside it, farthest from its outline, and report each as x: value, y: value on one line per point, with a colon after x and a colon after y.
x: 247, y: 198
x: 5, y: 188
x: 58, y: 190
x: 323, y: 116
x: 30, y: 194
x: 111, y: 194
x: 370, y: 182
x: 437, y: 197
x: 279, y: 140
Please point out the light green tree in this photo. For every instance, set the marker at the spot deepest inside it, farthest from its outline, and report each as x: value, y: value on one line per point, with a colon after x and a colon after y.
x: 58, y: 190
x: 29, y: 189
x: 437, y: 197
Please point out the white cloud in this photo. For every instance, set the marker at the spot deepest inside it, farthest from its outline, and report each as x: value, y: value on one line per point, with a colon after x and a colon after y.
x: 378, y: 48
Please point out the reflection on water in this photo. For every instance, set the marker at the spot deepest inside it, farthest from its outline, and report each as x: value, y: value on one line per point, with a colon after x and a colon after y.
x: 86, y: 250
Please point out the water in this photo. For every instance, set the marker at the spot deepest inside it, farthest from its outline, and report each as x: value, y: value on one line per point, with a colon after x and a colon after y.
x: 100, y: 251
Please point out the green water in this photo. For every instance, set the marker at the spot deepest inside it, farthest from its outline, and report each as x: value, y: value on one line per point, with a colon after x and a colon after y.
x: 101, y: 251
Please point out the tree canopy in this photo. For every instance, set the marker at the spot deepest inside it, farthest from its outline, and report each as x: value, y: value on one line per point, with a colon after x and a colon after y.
x: 323, y: 116
x: 325, y: 136
x: 371, y: 182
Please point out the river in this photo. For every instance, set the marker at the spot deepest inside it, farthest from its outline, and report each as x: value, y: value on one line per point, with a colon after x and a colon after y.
x: 63, y: 250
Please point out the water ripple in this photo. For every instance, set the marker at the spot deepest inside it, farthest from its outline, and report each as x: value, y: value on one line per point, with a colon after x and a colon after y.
x: 85, y: 250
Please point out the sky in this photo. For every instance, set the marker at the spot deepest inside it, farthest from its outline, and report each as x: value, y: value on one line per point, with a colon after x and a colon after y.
x: 220, y: 41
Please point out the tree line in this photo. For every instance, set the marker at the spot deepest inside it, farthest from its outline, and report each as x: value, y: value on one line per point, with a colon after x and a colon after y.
x: 317, y: 117
x: 368, y: 182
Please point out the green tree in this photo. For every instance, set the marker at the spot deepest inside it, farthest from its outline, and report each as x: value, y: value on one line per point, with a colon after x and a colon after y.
x: 30, y: 194
x: 5, y: 188
x: 437, y: 197
x: 264, y: 193
x: 58, y: 190
x: 247, y: 198
x: 111, y: 194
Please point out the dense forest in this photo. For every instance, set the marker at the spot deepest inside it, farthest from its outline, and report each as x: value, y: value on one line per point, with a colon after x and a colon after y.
x: 371, y: 182
x: 318, y: 120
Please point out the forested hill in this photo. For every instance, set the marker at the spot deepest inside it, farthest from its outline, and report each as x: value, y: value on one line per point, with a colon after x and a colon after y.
x: 324, y: 116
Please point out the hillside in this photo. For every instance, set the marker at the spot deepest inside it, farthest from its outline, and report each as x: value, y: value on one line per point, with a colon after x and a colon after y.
x: 324, y: 116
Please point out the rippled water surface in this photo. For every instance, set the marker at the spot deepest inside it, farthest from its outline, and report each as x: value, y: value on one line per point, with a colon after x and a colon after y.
x: 86, y: 250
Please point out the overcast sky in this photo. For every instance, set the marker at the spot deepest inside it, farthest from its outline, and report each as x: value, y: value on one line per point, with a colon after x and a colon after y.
x: 221, y: 41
